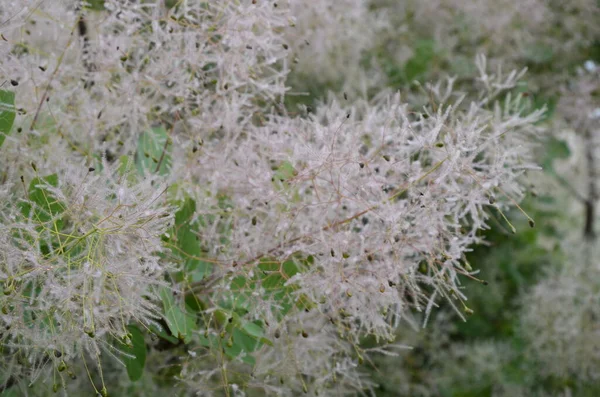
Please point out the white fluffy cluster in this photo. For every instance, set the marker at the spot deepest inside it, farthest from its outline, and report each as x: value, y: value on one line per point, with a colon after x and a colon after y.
x: 80, y: 261
x: 372, y: 190
x: 374, y: 202
x: 560, y: 322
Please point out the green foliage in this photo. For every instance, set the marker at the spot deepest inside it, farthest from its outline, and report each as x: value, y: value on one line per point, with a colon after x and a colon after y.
x: 154, y: 152
x: 419, y: 65
x: 7, y: 113
x: 188, y: 246
x: 137, y: 349
x: 512, y: 264
x: 41, y: 203
x: 95, y: 5
x: 420, y: 62
x: 180, y: 322
x: 271, y: 278
x: 554, y: 149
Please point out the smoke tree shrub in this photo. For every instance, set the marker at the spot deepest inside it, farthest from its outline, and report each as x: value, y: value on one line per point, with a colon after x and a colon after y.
x: 164, y: 214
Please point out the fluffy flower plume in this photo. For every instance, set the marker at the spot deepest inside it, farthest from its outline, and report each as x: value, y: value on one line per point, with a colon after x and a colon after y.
x: 157, y: 173
x: 80, y: 261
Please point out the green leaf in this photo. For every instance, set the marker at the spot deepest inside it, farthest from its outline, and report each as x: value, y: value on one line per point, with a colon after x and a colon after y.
x: 253, y: 329
x: 256, y: 331
x: 7, y: 113
x: 186, y: 232
x: 283, y: 173
x: 242, y: 342
x: 135, y: 364
x: 46, y: 205
x: 162, y: 334
x: 181, y: 324
x: 95, y: 5
x: 154, y: 152
x: 192, y: 303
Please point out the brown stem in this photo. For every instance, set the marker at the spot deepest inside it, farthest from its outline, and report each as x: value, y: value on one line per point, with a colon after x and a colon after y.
x: 589, y: 231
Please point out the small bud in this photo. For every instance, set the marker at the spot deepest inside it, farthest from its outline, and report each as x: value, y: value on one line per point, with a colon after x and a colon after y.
x: 304, y: 334
x: 91, y: 169
x: 382, y: 288
x: 468, y: 266
x: 55, y: 387
x: 531, y: 223
x: 492, y: 199
x: 254, y: 221
x: 62, y: 366
x: 89, y: 331
x: 8, y: 287
x: 14, y: 83
x: 349, y: 293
